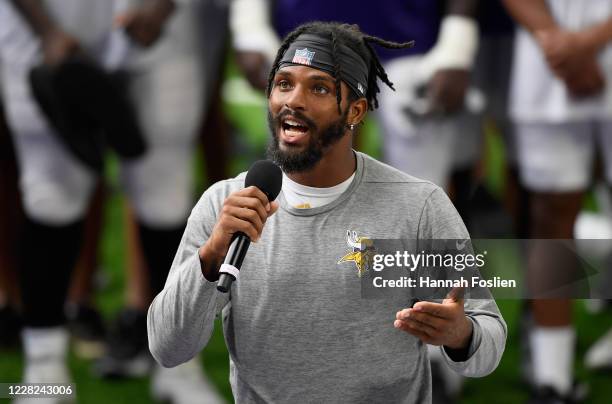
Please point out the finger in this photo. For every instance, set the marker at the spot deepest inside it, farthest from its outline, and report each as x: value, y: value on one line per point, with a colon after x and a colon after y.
x: 255, y: 192
x: 456, y: 294
x: 273, y: 208
x: 424, y: 328
x: 401, y: 325
x: 249, y: 202
x: 248, y: 215
x: 434, y: 322
x: 435, y: 309
x: 233, y: 225
x: 423, y: 321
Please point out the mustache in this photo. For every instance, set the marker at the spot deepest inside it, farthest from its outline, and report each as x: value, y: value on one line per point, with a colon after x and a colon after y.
x: 294, y: 114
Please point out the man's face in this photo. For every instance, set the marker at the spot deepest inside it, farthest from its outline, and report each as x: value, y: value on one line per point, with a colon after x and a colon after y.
x: 303, y: 117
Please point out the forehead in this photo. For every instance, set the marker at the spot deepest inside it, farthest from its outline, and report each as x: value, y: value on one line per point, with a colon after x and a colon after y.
x: 304, y: 73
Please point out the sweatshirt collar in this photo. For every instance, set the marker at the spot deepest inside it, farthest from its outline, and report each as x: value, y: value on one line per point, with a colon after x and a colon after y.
x: 322, y: 209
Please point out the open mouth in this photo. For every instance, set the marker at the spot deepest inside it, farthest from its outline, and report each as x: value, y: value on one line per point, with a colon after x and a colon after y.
x: 293, y: 129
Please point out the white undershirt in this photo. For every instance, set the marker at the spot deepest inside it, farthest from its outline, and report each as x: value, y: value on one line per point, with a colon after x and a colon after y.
x: 305, y: 197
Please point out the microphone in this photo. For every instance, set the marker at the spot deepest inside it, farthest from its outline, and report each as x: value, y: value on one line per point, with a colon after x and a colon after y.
x: 268, y: 177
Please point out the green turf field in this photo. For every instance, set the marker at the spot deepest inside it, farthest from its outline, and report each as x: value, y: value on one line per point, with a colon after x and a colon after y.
x: 246, y: 111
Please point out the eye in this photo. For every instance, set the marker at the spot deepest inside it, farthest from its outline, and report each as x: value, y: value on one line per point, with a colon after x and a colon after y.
x: 283, y: 84
x: 319, y: 89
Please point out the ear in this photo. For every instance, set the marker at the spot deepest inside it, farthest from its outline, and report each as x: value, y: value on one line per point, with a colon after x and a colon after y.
x: 357, y: 111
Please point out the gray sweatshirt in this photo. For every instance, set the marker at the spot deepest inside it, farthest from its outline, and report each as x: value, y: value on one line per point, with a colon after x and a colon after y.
x: 295, y: 324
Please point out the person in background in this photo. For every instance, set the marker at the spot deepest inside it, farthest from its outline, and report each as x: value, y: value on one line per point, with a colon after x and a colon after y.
x: 215, y: 131
x: 85, y: 322
x: 561, y: 104
x: 487, y: 96
x: 156, y: 42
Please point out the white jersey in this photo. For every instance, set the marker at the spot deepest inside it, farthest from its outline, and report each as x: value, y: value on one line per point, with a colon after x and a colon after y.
x: 537, y: 95
x: 88, y: 20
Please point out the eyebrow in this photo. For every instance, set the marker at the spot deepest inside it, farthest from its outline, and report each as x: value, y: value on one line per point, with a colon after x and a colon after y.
x: 321, y: 78
x: 314, y: 77
x: 283, y: 73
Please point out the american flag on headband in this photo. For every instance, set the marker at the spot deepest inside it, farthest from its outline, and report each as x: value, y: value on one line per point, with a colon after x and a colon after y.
x: 303, y: 56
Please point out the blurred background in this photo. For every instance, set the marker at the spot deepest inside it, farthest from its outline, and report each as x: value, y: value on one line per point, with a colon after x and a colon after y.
x: 117, y: 115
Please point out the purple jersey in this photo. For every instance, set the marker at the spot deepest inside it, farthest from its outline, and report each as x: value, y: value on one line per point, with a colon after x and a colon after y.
x: 393, y: 20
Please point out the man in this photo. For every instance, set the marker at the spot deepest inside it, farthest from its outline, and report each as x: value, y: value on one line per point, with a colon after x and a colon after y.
x: 426, y: 130
x: 562, y: 108
x: 295, y: 324
x: 158, y: 43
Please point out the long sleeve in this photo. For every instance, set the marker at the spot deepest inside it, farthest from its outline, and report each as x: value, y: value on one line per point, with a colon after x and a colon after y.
x: 181, y: 318
x: 440, y: 220
x: 488, y: 340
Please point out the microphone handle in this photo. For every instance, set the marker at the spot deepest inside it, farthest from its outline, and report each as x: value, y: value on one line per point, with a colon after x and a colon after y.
x: 235, y: 255
x: 225, y: 283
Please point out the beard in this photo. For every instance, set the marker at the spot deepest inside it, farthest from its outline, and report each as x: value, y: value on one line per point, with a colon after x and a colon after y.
x: 296, y: 161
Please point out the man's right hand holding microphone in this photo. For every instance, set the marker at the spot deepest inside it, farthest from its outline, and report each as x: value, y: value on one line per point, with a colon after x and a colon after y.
x: 243, y: 211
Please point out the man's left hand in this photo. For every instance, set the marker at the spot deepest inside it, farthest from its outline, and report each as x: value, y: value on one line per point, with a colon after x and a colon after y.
x: 145, y: 24
x: 437, y: 323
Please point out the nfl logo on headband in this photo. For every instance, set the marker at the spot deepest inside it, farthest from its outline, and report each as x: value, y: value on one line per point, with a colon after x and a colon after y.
x: 303, y: 56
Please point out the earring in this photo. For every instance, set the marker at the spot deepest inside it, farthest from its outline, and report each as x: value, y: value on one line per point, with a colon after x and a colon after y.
x: 352, y: 126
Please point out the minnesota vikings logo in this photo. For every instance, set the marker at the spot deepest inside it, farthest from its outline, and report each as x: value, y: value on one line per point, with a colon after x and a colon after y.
x: 303, y: 56
x: 362, y: 249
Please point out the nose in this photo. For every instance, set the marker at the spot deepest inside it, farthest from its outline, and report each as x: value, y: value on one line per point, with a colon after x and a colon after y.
x: 296, y: 99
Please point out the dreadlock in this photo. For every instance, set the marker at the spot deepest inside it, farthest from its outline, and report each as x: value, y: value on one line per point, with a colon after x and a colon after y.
x: 351, y: 36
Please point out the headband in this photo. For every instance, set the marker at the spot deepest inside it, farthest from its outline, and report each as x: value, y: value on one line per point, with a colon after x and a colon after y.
x: 317, y: 52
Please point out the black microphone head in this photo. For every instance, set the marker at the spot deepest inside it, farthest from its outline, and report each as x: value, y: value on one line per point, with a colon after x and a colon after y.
x: 266, y: 176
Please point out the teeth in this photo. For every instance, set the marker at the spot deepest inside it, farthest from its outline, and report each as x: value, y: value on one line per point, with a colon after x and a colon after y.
x: 293, y: 123
x: 294, y: 132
